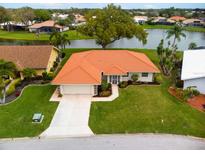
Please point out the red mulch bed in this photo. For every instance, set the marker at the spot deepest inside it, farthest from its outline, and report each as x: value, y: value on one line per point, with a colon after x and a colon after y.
x: 197, y: 102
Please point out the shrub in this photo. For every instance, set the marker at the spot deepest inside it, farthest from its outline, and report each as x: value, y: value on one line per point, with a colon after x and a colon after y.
x: 105, y: 93
x: 189, y: 92
x: 135, y: 77
x: 179, y: 83
x: 47, y: 76
x: 105, y: 86
x: 62, y: 54
x: 7, y: 81
x: 12, y: 87
x: 55, y: 64
x: 158, y: 78
x: 123, y: 84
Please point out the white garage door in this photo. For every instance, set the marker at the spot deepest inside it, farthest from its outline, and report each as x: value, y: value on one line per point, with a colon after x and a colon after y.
x: 77, y: 89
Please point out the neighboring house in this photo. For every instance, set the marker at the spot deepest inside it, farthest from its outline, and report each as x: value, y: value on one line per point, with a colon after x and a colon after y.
x: 177, y: 18
x: 59, y: 16
x: 193, y: 22
x: 39, y: 58
x: 140, y: 19
x: 79, y: 18
x: 45, y: 27
x: 84, y: 72
x: 193, y: 69
x: 162, y: 21
x: 12, y: 25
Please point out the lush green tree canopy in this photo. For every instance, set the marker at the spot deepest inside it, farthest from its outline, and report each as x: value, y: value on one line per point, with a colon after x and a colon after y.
x: 110, y: 24
x: 42, y: 15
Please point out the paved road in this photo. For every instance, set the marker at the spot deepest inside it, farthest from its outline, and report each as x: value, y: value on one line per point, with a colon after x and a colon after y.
x: 148, y: 141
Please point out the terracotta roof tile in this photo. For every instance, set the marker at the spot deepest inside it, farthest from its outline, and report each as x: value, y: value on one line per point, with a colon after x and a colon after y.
x: 86, y: 67
x: 27, y: 56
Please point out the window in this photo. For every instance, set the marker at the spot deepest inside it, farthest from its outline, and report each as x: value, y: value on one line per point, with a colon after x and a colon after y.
x: 144, y: 74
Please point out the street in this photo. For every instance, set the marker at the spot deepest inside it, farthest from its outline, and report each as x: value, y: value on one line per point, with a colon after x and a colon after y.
x: 104, y: 142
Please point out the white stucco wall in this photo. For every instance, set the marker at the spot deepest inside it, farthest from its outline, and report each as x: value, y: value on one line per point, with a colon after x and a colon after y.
x: 77, y: 89
x: 143, y: 79
x: 199, y: 83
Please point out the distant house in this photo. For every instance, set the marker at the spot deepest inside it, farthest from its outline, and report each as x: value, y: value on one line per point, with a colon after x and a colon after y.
x: 140, y: 19
x: 14, y: 26
x: 45, y: 27
x: 193, y: 22
x: 39, y: 58
x: 193, y: 69
x: 162, y: 21
x: 79, y: 18
x: 177, y: 18
x: 85, y: 71
x: 60, y: 16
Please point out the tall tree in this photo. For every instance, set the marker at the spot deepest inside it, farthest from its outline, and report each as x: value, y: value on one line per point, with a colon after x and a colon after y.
x: 42, y: 15
x: 24, y: 15
x: 110, y: 24
x: 7, y: 69
x: 177, y: 33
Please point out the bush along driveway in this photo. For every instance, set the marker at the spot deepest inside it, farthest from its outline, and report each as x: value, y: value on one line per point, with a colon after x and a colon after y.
x: 16, y: 117
x: 146, y: 109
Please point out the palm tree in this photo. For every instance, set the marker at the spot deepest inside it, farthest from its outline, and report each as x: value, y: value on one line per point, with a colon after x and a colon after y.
x: 55, y: 38
x: 64, y: 40
x: 7, y: 69
x: 28, y: 73
x: 177, y: 32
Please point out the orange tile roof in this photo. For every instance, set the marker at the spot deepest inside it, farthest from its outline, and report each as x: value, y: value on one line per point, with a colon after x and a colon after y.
x: 35, y: 57
x: 48, y: 23
x: 177, y: 18
x: 87, y: 67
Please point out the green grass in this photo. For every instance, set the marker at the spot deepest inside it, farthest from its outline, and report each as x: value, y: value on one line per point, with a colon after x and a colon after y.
x: 191, y: 29
x: 16, y: 117
x: 22, y: 35
x: 141, y: 109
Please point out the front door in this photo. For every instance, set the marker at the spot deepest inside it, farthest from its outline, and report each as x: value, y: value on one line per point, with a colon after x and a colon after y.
x: 114, y: 79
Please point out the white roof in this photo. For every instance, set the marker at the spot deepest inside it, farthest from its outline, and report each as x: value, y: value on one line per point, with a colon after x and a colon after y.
x: 193, y: 64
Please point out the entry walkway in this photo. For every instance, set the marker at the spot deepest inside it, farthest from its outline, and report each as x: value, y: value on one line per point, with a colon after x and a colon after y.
x: 71, y: 117
x: 115, y: 94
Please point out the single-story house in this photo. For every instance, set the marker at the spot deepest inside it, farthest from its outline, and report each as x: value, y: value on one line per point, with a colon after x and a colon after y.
x: 177, y: 18
x: 46, y: 27
x: 13, y: 26
x: 79, y: 18
x: 193, y: 22
x: 39, y: 58
x: 193, y: 69
x: 84, y: 72
x: 59, y: 16
x: 140, y: 19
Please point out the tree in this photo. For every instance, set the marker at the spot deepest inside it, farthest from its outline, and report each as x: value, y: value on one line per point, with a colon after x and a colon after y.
x: 3, y: 13
x: 28, y: 73
x: 177, y: 33
x: 7, y: 69
x: 110, y: 24
x: 42, y: 15
x: 24, y: 15
x: 58, y: 39
x: 192, y: 45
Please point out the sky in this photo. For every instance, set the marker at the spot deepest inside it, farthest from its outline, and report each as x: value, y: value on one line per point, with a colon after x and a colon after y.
x: 100, y: 5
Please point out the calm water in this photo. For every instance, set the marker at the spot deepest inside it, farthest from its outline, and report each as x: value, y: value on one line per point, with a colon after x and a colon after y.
x: 153, y: 40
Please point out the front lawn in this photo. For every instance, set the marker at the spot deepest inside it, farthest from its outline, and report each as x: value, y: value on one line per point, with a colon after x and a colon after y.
x: 24, y: 35
x: 146, y: 109
x: 16, y: 117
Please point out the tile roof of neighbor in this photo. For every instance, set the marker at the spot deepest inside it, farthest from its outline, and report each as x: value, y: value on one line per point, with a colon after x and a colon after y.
x: 87, y: 67
x: 48, y: 23
x: 35, y: 57
x: 193, y: 64
x: 177, y: 18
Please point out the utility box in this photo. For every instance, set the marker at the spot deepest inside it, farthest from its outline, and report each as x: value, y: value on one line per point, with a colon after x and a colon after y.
x: 37, y: 118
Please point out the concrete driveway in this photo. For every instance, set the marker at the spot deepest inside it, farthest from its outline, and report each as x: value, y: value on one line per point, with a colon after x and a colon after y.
x: 71, y: 117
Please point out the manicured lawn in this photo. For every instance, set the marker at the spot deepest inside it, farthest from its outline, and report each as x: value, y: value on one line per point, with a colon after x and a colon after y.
x: 16, y: 118
x: 191, y: 29
x: 141, y: 109
x: 22, y: 35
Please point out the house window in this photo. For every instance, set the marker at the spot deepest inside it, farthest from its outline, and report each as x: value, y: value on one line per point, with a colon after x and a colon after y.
x: 126, y: 75
x: 144, y: 74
